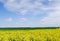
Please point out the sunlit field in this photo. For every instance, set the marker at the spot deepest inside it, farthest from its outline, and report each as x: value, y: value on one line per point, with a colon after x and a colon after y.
x: 29, y: 34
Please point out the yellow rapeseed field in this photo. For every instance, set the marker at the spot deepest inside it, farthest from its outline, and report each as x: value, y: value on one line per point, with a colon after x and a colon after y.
x: 30, y: 35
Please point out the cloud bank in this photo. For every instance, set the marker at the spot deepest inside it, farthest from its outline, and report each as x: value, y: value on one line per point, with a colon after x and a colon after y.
x: 50, y: 7
x: 53, y: 18
x: 26, y: 6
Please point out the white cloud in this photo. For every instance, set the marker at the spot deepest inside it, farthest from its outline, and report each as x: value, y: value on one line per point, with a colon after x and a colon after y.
x: 53, y: 18
x: 24, y: 6
x: 23, y: 19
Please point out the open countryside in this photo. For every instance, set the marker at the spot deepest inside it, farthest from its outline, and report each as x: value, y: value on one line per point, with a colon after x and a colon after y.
x: 30, y: 34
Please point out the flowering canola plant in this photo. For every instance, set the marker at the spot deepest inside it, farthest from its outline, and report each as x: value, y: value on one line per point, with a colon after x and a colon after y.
x: 30, y: 35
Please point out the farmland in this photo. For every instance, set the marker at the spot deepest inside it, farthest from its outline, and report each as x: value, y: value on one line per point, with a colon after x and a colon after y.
x: 29, y: 34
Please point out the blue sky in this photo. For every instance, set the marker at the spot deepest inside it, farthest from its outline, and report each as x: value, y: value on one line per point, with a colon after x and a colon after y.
x: 29, y: 13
